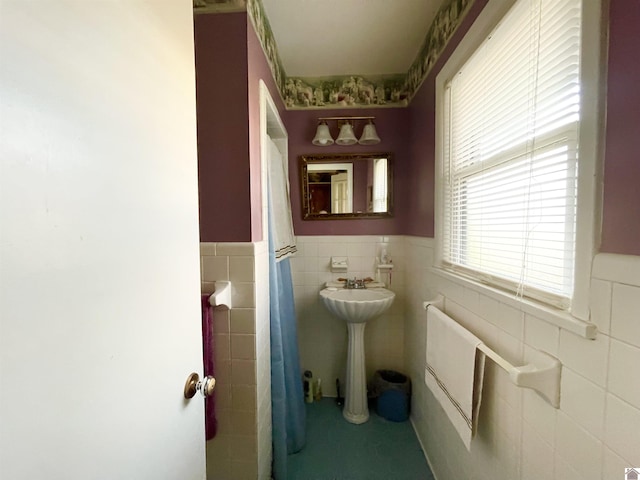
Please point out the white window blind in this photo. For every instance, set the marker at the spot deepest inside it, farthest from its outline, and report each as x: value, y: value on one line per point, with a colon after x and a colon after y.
x: 510, y: 161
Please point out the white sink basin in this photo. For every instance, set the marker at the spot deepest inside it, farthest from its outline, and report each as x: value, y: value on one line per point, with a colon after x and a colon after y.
x: 357, y: 305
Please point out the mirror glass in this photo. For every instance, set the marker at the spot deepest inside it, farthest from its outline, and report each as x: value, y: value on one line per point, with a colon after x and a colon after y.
x: 346, y: 186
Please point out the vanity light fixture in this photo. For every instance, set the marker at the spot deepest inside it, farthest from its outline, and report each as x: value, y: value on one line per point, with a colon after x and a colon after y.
x: 346, y: 136
x: 323, y: 136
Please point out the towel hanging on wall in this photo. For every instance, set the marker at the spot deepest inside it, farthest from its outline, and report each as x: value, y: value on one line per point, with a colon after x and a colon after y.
x: 208, y: 354
x: 454, y: 371
x: 283, y: 238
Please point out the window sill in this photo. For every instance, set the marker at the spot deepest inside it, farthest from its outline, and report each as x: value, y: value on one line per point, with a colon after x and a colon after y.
x: 559, y: 318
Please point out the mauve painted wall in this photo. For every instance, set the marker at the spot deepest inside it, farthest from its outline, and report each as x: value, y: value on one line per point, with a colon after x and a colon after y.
x: 621, y: 208
x: 360, y: 172
x: 223, y: 130
x: 227, y: 52
x: 422, y: 118
x: 392, y: 125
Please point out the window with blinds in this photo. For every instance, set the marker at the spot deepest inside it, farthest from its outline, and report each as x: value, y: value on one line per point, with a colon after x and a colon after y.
x: 511, y: 116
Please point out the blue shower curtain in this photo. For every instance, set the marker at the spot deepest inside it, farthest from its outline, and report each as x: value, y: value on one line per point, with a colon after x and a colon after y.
x: 287, y: 398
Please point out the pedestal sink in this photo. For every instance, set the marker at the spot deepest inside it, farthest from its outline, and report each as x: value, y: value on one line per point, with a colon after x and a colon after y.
x: 356, y: 307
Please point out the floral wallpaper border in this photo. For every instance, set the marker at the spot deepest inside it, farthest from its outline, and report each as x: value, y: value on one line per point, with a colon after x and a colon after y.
x: 444, y: 25
x: 345, y: 92
x: 219, y: 6
x: 265, y: 35
x: 349, y: 91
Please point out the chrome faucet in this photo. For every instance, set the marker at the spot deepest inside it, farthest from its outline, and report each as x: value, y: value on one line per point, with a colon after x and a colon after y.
x: 355, y: 283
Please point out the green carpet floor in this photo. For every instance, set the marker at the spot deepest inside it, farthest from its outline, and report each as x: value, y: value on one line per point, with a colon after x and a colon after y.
x: 338, y: 450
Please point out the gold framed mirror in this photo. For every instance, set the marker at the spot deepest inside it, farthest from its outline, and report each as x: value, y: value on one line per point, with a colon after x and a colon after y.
x: 346, y: 186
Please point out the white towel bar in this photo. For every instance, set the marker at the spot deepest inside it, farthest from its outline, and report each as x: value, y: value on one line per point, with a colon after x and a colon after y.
x: 222, y: 295
x: 541, y: 375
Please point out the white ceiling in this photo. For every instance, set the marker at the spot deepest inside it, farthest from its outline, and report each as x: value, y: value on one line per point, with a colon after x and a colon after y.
x: 319, y: 38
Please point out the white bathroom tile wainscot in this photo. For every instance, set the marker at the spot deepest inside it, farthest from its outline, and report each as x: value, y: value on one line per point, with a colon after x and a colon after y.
x: 322, y: 337
x: 596, y: 431
x: 593, y: 435
x: 242, y: 446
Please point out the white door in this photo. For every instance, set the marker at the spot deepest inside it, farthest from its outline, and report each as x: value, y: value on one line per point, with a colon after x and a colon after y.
x: 99, y: 272
x: 340, y: 194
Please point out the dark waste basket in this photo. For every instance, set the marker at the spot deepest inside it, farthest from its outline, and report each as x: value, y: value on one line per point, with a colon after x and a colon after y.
x: 393, y: 392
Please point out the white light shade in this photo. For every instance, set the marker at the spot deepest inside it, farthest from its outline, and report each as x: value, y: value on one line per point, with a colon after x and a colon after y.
x: 346, y: 136
x: 369, y: 135
x: 323, y: 137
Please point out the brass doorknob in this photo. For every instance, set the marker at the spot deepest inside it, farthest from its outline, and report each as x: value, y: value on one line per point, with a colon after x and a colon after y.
x: 206, y: 386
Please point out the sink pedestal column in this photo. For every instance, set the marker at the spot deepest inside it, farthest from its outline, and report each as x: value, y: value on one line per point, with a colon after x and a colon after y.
x: 356, y: 307
x: 355, y: 405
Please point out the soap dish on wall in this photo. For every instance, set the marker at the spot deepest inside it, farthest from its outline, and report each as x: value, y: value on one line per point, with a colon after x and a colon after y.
x: 339, y: 264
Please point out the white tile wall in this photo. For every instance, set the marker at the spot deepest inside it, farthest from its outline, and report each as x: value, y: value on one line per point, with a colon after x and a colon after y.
x: 596, y: 431
x: 578, y: 448
x: 241, y: 335
x: 625, y: 313
x: 622, y: 429
x: 541, y: 335
x: 534, y: 447
x: 323, y: 338
x: 594, y: 434
x: 588, y: 358
x: 583, y: 401
x: 600, y: 304
x: 613, y: 465
x: 624, y: 366
x: 539, y: 417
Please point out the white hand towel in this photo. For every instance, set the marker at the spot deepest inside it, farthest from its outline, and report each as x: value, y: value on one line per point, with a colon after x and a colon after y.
x: 454, y: 371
